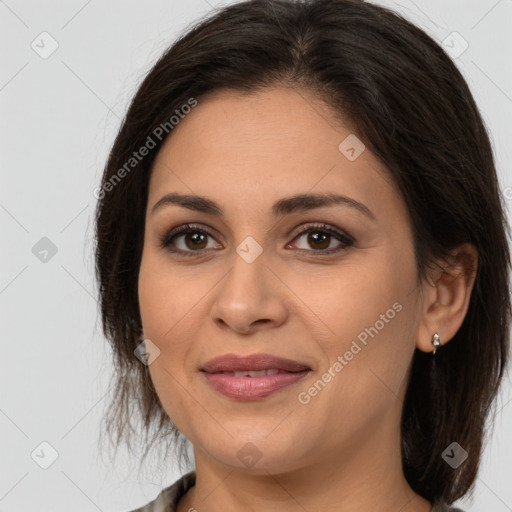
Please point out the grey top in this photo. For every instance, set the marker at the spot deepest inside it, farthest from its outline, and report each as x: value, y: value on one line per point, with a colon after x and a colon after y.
x: 168, y: 499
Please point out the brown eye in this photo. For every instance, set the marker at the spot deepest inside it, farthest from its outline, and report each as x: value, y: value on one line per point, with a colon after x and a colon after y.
x: 320, y: 237
x: 186, y: 240
x: 195, y: 240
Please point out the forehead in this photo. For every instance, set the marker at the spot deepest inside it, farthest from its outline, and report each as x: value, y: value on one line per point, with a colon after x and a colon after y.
x: 265, y: 126
x: 252, y: 149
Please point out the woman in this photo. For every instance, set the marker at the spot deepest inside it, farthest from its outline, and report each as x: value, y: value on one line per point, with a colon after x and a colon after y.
x: 303, y: 263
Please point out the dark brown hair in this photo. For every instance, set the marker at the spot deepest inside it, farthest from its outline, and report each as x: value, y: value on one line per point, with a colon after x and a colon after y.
x: 412, y: 108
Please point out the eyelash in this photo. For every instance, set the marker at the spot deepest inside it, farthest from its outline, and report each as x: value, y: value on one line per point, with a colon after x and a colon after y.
x: 167, y: 239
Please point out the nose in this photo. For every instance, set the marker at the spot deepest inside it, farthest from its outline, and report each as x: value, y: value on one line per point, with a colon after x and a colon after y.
x: 250, y: 297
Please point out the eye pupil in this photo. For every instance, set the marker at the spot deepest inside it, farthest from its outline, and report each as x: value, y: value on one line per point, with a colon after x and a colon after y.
x: 195, y: 238
x: 315, y: 235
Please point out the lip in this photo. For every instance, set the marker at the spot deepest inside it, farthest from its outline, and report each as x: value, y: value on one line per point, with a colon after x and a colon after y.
x: 254, y: 362
x: 252, y: 388
x: 247, y: 387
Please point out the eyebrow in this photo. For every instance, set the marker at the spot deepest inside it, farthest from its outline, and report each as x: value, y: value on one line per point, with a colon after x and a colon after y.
x: 287, y: 205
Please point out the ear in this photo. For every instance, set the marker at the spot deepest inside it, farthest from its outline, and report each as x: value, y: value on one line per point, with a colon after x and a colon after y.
x: 446, y: 296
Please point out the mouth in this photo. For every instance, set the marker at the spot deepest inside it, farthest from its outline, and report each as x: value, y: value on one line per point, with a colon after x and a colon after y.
x: 252, y: 377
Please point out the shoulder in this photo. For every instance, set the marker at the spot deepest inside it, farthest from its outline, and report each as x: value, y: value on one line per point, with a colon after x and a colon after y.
x: 169, y: 497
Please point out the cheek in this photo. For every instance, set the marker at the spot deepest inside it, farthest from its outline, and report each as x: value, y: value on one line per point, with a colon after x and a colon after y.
x: 368, y: 316
x: 164, y: 310
x: 170, y: 307
x: 355, y: 297
x: 162, y: 300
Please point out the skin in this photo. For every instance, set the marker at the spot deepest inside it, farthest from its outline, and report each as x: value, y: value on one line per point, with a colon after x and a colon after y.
x: 341, y: 451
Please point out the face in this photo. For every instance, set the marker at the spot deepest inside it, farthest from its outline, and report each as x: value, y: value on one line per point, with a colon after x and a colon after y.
x: 330, y: 285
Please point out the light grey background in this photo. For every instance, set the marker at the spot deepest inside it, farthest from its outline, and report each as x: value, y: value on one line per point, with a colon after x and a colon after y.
x: 59, y: 117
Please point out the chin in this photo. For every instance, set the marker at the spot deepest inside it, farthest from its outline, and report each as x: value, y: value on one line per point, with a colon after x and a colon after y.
x: 259, y: 455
